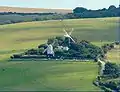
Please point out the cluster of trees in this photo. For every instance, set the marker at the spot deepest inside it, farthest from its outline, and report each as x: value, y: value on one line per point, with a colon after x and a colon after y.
x: 111, y: 70
x: 78, y: 12
x: 108, y: 81
x: 112, y: 11
x: 108, y: 47
x: 113, y: 85
x: 79, y: 50
x: 9, y: 18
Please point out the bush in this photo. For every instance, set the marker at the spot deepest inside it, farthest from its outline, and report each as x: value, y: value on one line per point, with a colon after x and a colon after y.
x: 16, y: 56
x: 107, y: 47
x: 59, y: 53
x: 40, y: 51
x: 42, y: 46
x: 32, y: 52
x: 117, y: 43
x: 111, y: 70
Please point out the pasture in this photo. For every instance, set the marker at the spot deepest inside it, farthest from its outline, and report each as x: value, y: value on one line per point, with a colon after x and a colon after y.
x: 48, y: 76
x: 114, y: 55
x: 21, y: 36
x: 53, y: 75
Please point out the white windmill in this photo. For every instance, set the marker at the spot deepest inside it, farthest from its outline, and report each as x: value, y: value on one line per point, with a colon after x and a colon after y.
x: 68, y: 35
x: 49, y: 50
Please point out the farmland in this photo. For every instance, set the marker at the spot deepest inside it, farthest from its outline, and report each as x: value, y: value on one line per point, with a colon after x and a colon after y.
x: 54, y: 75
x: 32, y: 10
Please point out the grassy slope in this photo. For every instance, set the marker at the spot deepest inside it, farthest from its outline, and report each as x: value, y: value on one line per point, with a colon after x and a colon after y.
x: 50, y: 75
x: 29, y: 35
x: 47, y: 76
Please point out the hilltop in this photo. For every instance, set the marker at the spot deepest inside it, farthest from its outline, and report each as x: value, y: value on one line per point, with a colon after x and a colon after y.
x: 32, y: 10
x: 21, y: 36
x: 53, y: 76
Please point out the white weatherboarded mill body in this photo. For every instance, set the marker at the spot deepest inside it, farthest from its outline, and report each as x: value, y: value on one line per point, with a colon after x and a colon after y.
x: 50, y: 50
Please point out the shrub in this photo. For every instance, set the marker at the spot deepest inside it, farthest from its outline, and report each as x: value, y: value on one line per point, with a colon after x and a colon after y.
x: 117, y: 43
x: 16, y: 56
x: 111, y: 70
x: 42, y: 46
x: 32, y: 52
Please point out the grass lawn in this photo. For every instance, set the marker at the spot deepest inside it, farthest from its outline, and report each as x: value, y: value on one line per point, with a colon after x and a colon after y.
x: 44, y: 76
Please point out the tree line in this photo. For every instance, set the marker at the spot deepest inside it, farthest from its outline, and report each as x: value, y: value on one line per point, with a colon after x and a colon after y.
x: 81, y: 12
x: 78, y: 12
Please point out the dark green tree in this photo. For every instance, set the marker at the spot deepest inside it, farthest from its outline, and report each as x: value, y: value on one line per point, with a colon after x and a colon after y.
x: 79, y: 10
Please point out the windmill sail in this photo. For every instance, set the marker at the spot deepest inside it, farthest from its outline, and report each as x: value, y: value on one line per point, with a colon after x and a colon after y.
x: 72, y: 39
x: 71, y: 31
x: 68, y: 35
x: 65, y: 32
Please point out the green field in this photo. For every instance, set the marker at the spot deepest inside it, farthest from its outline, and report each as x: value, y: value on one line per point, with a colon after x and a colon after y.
x: 21, y: 36
x: 44, y: 76
x: 15, y: 38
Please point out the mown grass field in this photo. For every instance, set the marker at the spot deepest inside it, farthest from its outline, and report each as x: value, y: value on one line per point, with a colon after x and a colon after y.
x: 47, y: 76
x: 15, y: 38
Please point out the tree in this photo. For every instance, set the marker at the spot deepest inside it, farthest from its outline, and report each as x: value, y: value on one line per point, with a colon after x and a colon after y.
x: 79, y: 10
x: 112, y: 70
x: 103, y: 9
x: 50, y: 40
x: 112, y: 7
x: 60, y: 40
x: 59, y: 53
